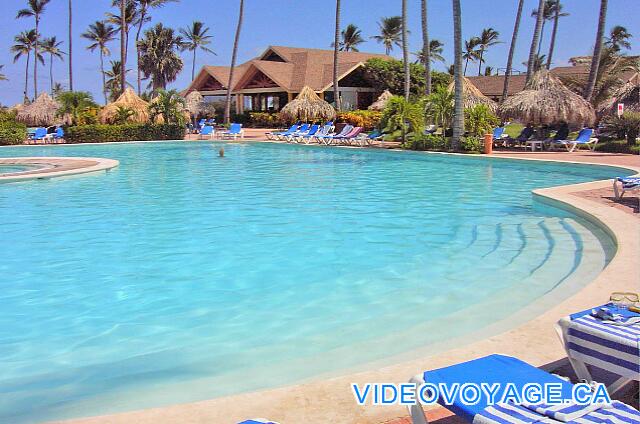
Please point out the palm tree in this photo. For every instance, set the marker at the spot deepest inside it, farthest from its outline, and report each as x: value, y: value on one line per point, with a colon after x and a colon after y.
x: 405, y: 52
x: 3, y: 77
x: 74, y: 103
x: 100, y: 33
x: 70, y: 45
x: 128, y: 16
x: 435, y: 52
x: 597, y: 51
x: 196, y: 38
x: 113, y: 81
x: 538, y: 62
x: 336, y: 48
x: 458, y: 111
x: 556, y: 8
x: 536, y: 37
x: 512, y: 49
x: 618, y: 38
x: 51, y: 46
x: 57, y: 89
x: 168, y: 105
x: 390, y: 33
x: 546, y: 15
x: 426, y: 48
x: 35, y: 10
x: 470, y: 51
x: 488, y: 38
x: 234, y: 56
x: 488, y: 71
x: 351, y: 36
x: 143, y: 16
x: 24, y: 44
x: 159, y: 59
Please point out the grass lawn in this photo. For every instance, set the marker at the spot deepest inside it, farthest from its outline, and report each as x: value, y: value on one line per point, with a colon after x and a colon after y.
x: 513, y: 130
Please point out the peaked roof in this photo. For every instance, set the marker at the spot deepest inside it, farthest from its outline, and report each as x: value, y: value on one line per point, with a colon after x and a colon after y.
x: 291, y: 68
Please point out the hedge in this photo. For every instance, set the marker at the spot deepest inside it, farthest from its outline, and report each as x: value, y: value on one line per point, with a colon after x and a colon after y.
x: 618, y: 146
x: 443, y: 144
x: 129, y: 132
x: 368, y: 119
x: 12, y: 132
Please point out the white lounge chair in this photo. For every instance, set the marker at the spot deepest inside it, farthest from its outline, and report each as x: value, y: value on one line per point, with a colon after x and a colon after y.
x: 623, y: 184
x: 583, y: 139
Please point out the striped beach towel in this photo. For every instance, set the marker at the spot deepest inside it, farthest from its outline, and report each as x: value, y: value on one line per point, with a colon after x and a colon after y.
x: 616, y: 413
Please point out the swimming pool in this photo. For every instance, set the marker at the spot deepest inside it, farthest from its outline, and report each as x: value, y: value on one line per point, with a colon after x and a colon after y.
x: 181, y: 276
x: 10, y: 169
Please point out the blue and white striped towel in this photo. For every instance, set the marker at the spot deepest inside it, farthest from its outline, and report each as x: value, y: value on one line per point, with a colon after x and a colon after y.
x: 616, y: 413
x: 629, y: 182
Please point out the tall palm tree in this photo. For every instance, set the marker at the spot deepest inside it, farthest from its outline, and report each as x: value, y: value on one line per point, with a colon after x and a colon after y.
x: 196, y: 37
x: 51, y: 46
x: 123, y: 46
x: 3, y: 77
x: 538, y: 62
x: 546, y: 15
x: 471, y: 52
x: 426, y: 47
x: 618, y: 38
x: 405, y: 52
x: 390, y: 33
x: 512, y: 49
x: 350, y: 37
x: 126, y: 18
x: 458, y: 113
x: 556, y: 8
x: 435, y: 52
x: 234, y: 56
x: 24, y: 44
x: 114, y: 79
x: 100, y: 33
x: 488, y: 38
x: 336, y: 57
x: 597, y: 51
x: 534, y: 40
x: 143, y: 8
x: 159, y: 59
x: 70, y: 45
x: 35, y: 10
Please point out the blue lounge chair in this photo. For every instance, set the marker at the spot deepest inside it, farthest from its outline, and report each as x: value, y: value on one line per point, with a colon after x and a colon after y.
x: 368, y: 139
x: 325, y: 130
x: 583, y: 139
x: 302, y: 129
x: 273, y: 135
x: 299, y: 138
x: 623, y: 184
x: 206, y: 132
x: 327, y: 139
x: 56, y: 136
x: 39, y: 134
x: 258, y: 421
x: 498, y: 132
x: 235, y: 131
x: 503, y: 370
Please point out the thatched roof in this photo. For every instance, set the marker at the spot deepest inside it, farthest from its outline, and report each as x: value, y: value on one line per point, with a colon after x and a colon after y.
x: 472, y: 96
x: 43, y: 112
x: 545, y: 100
x: 382, y: 101
x: 629, y: 94
x: 194, y: 103
x: 130, y: 100
x: 307, y: 107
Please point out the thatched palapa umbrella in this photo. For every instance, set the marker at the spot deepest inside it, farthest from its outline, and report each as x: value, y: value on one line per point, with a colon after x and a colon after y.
x: 472, y: 96
x: 382, y: 101
x: 194, y: 103
x: 128, y: 99
x: 307, y: 107
x: 545, y: 100
x: 628, y: 94
x: 43, y: 112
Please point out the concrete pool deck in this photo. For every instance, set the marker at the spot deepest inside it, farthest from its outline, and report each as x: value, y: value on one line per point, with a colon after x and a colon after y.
x: 330, y: 400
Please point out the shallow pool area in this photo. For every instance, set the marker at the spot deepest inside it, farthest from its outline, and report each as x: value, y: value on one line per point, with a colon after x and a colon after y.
x: 182, y: 276
x: 11, y: 169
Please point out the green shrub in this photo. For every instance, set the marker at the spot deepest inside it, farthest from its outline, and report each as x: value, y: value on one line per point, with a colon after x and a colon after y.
x: 479, y: 120
x: 264, y: 120
x: 400, y: 115
x: 626, y: 126
x: 129, y: 132
x: 12, y: 132
x: 368, y: 119
x: 617, y: 146
x: 7, y: 115
x: 439, y: 143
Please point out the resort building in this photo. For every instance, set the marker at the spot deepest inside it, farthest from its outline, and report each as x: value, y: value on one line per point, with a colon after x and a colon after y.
x: 270, y: 81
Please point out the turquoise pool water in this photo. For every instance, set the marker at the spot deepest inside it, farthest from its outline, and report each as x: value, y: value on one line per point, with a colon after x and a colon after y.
x: 181, y: 276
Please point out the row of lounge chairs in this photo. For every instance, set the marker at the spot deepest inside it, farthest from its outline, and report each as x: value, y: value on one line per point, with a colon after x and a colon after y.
x: 325, y: 134
x: 208, y: 132
x: 584, y: 138
x: 46, y: 135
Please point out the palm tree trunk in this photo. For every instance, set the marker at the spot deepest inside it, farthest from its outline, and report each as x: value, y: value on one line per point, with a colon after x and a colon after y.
x: 512, y: 49
x: 336, y: 49
x: 35, y: 60
x: 466, y: 62
x: 552, y: 45
x: 123, y: 46
x: 104, y: 81
x: 426, y: 49
x: 597, y: 52
x: 458, y: 114
x: 544, y: 22
x: 534, y: 41
x: 51, y: 72
x: 143, y: 14
x: 405, y: 52
x: 227, y: 106
x: 193, y: 68
x: 26, y: 77
x: 70, y: 46
x: 480, y: 61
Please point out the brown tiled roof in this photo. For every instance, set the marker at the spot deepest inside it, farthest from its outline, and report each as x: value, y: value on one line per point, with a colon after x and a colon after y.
x: 312, y: 67
x: 492, y: 86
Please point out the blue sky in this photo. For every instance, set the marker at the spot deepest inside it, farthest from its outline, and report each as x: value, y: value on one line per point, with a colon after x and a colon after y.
x: 304, y: 23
